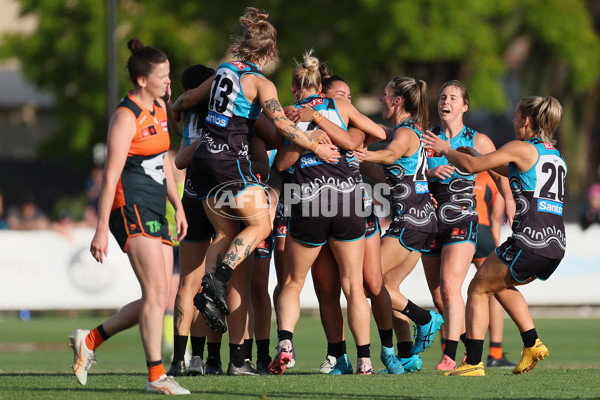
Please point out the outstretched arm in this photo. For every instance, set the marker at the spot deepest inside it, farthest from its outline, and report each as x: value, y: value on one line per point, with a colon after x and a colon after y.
x: 362, y: 122
x: 347, y: 140
x: 484, y: 145
x: 395, y: 149
x: 516, y: 151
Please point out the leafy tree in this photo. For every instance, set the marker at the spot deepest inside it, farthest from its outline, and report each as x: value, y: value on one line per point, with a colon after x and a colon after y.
x: 366, y: 41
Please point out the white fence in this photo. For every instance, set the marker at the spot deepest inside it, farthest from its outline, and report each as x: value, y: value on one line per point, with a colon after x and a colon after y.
x: 41, y: 270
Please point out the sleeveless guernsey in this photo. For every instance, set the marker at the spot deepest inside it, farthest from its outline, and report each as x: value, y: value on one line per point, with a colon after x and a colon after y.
x: 539, y: 193
x: 411, y: 203
x: 142, y: 181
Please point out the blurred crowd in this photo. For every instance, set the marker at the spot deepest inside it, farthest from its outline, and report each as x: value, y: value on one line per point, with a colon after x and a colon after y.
x: 590, y: 211
x: 27, y: 215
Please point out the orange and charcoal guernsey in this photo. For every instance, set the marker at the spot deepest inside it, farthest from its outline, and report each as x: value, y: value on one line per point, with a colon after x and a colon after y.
x: 143, y: 181
x: 485, y: 193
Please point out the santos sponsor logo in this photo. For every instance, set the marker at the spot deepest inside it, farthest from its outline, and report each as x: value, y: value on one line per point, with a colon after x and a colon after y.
x: 421, y: 187
x: 311, y: 159
x: 550, y: 207
x: 217, y: 119
x: 308, y: 160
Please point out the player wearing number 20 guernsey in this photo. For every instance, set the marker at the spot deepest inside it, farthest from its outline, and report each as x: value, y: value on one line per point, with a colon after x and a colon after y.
x: 539, y: 193
x: 537, y: 172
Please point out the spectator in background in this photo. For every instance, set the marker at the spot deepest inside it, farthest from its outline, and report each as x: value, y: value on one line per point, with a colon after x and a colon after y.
x: 27, y: 215
x: 3, y: 223
x: 92, y: 189
x: 590, y: 212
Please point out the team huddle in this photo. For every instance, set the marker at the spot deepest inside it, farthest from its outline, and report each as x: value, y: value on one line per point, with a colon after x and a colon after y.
x: 229, y: 223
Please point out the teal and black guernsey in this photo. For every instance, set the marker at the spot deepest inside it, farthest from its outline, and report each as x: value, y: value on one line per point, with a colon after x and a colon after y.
x: 231, y: 116
x: 455, y: 195
x: 411, y: 203
x: 313, y: 174
x: 539, y: 193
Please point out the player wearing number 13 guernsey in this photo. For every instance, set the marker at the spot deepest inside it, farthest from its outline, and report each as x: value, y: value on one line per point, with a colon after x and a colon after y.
x: 226, y: 132
x: 221, y: 171
x: 537, y: 174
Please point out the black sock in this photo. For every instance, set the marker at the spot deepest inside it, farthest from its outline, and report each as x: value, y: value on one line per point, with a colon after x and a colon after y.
x: 236, y: 354
x: 450, y: 350
x: 223, y: 272
x: 337, y: 349
x: 418, y: 315
x: 463, y: 338
x: 330, y: 349
x: 496, y: 344
x: 404, y: 349
x: 198, y: 345
x: 248, y: 348
x: 214, y: 352
x: 179, y: 345
x: 529, y: 337
x: 153, y: 363
x: 387, y: 337
x: 285, y: 335
x: 262, y: 349
x: 363, y: 351
x: 102, y: 332
x: 474, y: 351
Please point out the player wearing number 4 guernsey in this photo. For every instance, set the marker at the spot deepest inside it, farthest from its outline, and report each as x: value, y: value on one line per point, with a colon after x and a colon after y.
x: 537, y: 172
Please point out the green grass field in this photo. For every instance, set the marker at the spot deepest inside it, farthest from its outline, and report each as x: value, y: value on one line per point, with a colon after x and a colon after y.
x: 35, y: 364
